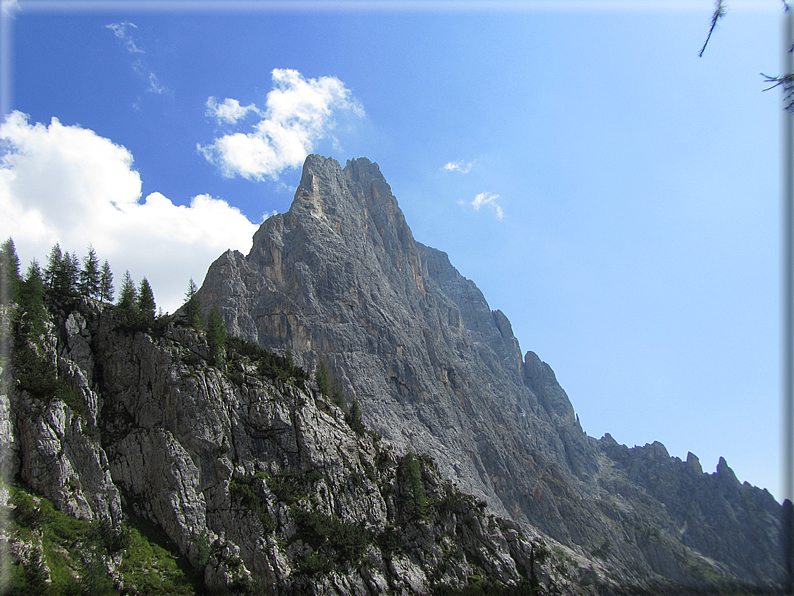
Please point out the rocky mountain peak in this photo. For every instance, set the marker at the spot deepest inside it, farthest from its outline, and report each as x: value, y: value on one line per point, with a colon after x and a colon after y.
x: 340, y: 278
x: 357, y: 194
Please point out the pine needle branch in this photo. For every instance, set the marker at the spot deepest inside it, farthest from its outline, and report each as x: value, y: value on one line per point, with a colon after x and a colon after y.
x: 719, y: 12
x: 787, y: 81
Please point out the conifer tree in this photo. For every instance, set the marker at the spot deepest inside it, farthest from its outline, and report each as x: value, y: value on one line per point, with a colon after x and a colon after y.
x: 353, y: 418
x: 216, y: 334
x: 321, y: 378
x: 128, y: 300
x: 9, y: 272
x: 192, y: 306
x: 62, y: 272
x: 336, y: 393
x: 71, y: 274
x: 146, y: 305
x: 106, y: 283
x: 30, y: 308
x: 290, y: 359
x: 89, y: 275
x: 411, y: 474
x: 53, y: 272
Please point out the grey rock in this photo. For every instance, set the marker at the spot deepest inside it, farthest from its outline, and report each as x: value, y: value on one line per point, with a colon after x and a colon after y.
x: 176, y: 438
x: 339, y: 277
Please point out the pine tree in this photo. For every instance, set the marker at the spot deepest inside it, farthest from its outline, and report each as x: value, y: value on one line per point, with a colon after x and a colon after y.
x: 216, y: 334
x: 336, y: 393
x: 89, y: 275
x: 411, y: 475
x: 62, y: 273
x: 321, y: 378
x: 53, y: 272
x: 9, y: 272
x: 106, y: 283
x: 30, y: 307
x: 128, y: 301
x: 353, y: 418
x: 192, y: 306
x: 129, y: 294
x: 71, y: 274
x: 146, y: 305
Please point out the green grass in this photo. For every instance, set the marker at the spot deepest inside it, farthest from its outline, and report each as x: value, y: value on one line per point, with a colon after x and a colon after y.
x: 73, y: 550
x: 152, y: 569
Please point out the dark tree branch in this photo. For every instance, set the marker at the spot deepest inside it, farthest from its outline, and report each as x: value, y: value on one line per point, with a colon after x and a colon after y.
x: 719, y: 12
x: 787, y: 81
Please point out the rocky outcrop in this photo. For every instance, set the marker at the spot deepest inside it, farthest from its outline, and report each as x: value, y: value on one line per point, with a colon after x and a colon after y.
x: 339, y: 277
x: 58, y: 450
x: 256, y: 478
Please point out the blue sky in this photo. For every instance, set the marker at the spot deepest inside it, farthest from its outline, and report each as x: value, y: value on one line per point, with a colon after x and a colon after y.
x: 617, y: 197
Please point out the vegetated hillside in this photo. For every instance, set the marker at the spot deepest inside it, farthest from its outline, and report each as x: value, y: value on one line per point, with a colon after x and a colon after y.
x: 140, y: 463
x: 339, y: 277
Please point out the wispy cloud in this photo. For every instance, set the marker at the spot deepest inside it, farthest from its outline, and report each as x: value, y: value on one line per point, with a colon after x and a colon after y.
x: 489, y: 199
x: 122, y: 31
x: 298, y: 113
x: 68, y: 184
x: 458, y: 166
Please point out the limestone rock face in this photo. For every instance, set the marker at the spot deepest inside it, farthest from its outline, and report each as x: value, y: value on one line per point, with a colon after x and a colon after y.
x: 339, y: 277
x: 58, y: 452
x: 260, y: 483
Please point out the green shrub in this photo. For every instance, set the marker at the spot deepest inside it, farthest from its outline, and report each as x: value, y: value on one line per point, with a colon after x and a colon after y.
x: 479, y: 586
x: 152, y: 569
x: 287, y: 487
x: 389, y: 541
x: 331, y: 538
x: 270, y: 365
x: 110, y: 539
x: 456, y: 502
x: 26, y: 513
x: 37, y: 375
x: 242, y: 489
x: 69, y: 544
x: 353, y: 419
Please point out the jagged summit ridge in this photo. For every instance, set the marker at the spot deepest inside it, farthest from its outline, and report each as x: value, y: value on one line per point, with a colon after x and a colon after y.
x: 339, y: 277
x: 344, y: 280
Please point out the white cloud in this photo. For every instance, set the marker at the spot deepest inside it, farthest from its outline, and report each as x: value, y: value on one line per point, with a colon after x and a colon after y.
x: 298, y: 113
x: 154, y: 84
x: 230, y: 111
x: 489, y: 199
x: 122, y: 32
x: 68, y: 184
x: 458, y: 166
